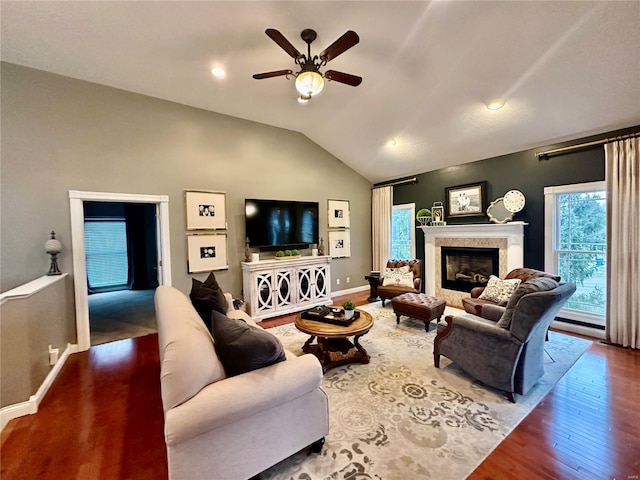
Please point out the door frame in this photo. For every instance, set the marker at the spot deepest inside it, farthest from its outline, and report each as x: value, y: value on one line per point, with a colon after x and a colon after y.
x: 76, y: 200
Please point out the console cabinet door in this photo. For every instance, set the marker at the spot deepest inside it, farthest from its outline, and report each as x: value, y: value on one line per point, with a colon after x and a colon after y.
x: 306, y: 287
x: 321, y: 282
x: 284, y: 289
x: 263, y: 284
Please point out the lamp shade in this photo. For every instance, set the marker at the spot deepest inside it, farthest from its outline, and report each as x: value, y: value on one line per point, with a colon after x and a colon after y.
x: 309, y: 83
x: 53, y: 245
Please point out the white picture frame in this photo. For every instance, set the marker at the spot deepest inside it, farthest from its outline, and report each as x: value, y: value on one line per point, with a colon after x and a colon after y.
x: 206, y: 252
x: 205, y: 210
x: 340, y: 244
x: 338, y: 214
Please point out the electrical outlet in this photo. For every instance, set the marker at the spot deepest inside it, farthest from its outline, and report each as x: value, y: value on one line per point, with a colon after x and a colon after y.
x: 337, y: 281
x: 348, y: 279
x: 53, y: 355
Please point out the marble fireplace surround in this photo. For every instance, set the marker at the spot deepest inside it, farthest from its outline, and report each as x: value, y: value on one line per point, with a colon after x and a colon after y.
x: 508, y: 238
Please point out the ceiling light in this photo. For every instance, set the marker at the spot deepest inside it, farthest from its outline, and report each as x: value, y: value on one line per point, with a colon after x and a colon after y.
x: 304, y: 98
x: 495, y: 104
x: 218, y: 72
x: 391, y: 143
x: 309, y: 83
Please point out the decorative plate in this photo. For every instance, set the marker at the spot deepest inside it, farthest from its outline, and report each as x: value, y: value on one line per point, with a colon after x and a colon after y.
x: 514, y: 201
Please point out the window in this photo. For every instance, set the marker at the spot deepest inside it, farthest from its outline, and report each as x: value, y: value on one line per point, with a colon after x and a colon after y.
x: 106, y: 254
x: 576, y: 247
x: 403, y: 232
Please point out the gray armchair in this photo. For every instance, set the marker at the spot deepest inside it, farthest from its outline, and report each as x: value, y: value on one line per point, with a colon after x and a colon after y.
x: 505, y: 355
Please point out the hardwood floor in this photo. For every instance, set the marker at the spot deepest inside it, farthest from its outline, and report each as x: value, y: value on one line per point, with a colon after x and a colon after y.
x: 102, y: 419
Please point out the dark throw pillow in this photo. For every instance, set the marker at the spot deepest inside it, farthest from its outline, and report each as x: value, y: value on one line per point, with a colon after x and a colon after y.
x: 205, y: 305
x: 206, y: 297
x: 242, y: 348
x: 538, y: 284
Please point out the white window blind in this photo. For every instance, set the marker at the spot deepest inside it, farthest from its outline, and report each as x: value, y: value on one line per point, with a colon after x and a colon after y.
x: 106, y: 253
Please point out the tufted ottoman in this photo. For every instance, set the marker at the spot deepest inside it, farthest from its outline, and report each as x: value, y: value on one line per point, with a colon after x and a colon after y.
x: 418, y: 305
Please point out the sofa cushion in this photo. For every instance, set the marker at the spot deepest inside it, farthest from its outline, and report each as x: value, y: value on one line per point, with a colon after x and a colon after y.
x: 242, y: 348
x: 538, y: 284
x: 499, y: 291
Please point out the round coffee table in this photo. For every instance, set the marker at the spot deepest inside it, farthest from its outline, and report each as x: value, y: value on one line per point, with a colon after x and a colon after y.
x: 333, y: 347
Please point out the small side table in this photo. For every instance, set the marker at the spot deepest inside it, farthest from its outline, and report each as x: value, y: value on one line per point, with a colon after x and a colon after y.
x: 374, y: 280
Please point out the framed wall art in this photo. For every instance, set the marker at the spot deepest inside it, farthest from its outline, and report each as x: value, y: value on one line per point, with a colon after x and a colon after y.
x: 205, y: 210
x: 339, y: 243
x: 338, y: 214
x: 465, y: 200
x: 206, y: 252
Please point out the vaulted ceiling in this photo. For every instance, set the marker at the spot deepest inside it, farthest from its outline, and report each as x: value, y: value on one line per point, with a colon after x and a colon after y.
x: 565, y: 69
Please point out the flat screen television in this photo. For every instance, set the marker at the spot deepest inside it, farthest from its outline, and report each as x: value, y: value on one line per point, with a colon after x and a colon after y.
x: 279, y: 224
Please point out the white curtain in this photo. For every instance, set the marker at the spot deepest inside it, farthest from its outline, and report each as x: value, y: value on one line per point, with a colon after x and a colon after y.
x: 622, y: 160
x: 382, y: 205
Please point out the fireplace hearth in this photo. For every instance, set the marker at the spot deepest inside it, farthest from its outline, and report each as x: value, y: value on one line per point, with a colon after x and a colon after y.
x: 464, y: 268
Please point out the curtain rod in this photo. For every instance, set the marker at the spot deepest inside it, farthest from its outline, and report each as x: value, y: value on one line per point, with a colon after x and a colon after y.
x: 396, y: 182
x: 542, y: 155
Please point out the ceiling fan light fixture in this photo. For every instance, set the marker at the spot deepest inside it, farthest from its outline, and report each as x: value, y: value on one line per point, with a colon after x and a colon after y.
x: 304, y: 99
x: 309, y: 83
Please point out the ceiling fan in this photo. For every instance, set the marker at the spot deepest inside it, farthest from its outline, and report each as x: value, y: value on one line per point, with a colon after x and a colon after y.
x: 309, y: 80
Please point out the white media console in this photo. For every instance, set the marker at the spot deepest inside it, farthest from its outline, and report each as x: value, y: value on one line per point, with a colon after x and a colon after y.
x: 278, y: 287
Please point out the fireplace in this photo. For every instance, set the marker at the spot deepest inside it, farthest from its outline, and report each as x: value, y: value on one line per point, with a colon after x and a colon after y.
x: 507, y: 237
x: 464, y: 268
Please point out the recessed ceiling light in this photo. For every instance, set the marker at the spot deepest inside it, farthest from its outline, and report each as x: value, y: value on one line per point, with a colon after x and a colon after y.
x: 391, y: 143
x: 218, y: 72
x: 495, y: 104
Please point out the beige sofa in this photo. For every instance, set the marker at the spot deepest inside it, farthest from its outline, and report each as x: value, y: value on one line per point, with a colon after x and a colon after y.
x: 230, y: 428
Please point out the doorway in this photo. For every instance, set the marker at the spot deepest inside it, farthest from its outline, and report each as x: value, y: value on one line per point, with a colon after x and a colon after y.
x: 121, y: 251
x: 163, y: 264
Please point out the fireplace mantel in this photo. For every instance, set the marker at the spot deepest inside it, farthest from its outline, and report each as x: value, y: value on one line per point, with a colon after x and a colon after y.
x: 512, y: 232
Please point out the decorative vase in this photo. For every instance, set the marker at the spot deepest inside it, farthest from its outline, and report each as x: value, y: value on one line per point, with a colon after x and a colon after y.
x: 247, y: 251
x: 321, y: 247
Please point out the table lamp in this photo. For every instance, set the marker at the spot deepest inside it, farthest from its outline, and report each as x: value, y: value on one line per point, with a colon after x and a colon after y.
x: 53, y: 247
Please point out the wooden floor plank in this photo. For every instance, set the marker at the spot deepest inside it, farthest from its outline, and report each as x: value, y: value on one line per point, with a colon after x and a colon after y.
x: 102, y: 419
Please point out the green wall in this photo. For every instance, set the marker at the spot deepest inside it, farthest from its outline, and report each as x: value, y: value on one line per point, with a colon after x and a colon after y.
x: 522, y: 171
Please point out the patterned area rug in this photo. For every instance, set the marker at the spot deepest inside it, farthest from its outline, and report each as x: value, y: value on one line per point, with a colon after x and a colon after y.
x: 400, y: 417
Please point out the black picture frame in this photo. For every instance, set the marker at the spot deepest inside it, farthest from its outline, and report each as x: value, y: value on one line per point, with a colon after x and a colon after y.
x: 466, y: 200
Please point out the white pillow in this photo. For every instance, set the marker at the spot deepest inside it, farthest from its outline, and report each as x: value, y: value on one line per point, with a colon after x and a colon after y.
x: 403, y: 269
x: 398, y: 279
x: 499, y: 291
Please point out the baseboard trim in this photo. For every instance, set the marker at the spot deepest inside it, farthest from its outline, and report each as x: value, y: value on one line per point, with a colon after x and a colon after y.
x: 579, y: 329
x: 30, y: 407
x: 350, y: 291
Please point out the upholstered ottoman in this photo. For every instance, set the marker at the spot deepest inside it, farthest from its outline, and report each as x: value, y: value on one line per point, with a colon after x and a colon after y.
x: 418, y: 305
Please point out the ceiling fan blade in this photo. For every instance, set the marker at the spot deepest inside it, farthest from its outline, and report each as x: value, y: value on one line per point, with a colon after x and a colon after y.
x: 341, y: 45
x: 277, y: 73
x: 283, y: 43
x: 341, y: 77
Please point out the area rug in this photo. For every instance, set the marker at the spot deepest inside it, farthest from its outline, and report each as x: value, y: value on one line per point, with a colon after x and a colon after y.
x: 400, y: 417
